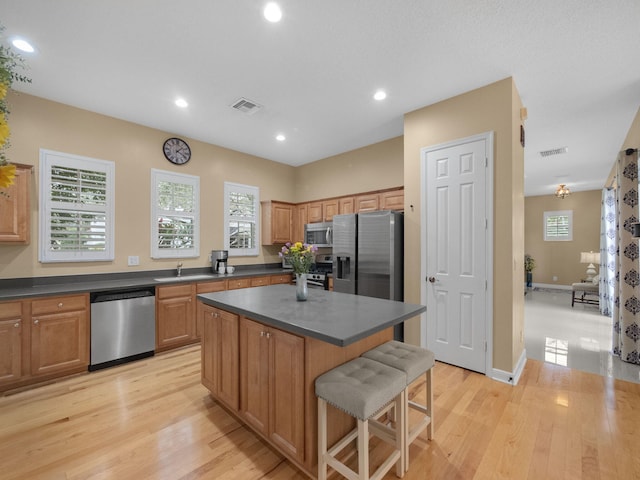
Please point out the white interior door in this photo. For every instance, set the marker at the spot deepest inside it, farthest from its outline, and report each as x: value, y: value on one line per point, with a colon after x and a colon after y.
x: 456, y: 288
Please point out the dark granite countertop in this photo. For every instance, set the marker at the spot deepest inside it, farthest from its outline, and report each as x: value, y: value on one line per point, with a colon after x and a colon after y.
x: 337, y: 318
x: 20, y: 288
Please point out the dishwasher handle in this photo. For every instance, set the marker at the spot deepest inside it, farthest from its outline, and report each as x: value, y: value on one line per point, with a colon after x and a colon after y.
x: 115, y: 295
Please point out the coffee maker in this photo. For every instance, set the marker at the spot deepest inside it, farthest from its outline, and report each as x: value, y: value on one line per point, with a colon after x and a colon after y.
x: 219, y: 259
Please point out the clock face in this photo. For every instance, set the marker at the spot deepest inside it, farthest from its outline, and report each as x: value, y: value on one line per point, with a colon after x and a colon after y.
x: 177, y: 151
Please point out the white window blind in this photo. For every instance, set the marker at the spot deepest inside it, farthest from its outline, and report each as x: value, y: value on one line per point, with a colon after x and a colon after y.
x: 175, y: 215
x: 76, y: 208
x: 241, y: 213
x: 558, y: 226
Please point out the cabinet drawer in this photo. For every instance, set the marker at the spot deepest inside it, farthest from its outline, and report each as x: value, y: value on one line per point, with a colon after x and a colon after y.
x: 10, y: 310
x: 284, y: 278
x: 209, y: 287
x: 59, y: 304
x: 239, y: 283
x: 259, y: 281
x: 174, y: 291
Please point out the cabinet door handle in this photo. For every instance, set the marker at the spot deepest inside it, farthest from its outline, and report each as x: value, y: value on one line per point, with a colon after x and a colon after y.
x: 36, y: 321
x: 268, y: 335
x: 60, y: 305
x: 16, y: 325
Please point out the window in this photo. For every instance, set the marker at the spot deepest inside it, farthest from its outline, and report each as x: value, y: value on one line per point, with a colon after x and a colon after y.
x: 558, y: 226
x: 241, y: 210
x: 175, y: 215
x: 76, y: 208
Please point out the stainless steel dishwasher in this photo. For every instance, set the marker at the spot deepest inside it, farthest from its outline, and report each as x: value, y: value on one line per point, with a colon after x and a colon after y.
x: 123, y: 326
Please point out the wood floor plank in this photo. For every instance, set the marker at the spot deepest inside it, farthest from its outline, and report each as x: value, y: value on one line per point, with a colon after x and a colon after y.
x: 153, y: 419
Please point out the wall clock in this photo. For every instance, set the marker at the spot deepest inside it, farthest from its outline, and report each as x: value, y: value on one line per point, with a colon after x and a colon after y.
x: 177, y: 151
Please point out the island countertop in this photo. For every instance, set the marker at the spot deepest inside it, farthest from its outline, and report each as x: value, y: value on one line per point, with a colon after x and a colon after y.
x: 337, y: 318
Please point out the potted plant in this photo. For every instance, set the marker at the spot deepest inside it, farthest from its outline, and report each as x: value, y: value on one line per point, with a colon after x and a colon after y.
x: 529, y: 265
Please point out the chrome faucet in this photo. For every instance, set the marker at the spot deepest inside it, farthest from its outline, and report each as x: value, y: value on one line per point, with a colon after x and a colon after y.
x: 179, y: 268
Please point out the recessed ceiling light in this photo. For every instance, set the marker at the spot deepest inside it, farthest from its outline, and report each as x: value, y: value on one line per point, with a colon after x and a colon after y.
x: 182, y: 103
x: 272, y: 12
x: 23, y: 45
x: 280, y: 137
x: 380, y: 95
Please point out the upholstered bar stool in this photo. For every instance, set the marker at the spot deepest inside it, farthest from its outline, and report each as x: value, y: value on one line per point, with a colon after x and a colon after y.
x: 361, y: 388
x: 414, y: 361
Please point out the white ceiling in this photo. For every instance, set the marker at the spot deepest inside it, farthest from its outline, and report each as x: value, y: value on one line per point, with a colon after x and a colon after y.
x: 576, y: 64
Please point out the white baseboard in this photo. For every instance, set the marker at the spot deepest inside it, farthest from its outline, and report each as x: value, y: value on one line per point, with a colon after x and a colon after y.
x: 552, y: 285
x: 511, y: 377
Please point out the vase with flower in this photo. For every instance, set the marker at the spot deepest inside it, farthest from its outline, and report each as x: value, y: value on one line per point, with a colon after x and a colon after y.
x: 300, y: 256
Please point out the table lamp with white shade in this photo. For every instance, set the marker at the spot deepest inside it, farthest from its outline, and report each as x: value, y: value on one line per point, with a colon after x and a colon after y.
x: 590, y: 258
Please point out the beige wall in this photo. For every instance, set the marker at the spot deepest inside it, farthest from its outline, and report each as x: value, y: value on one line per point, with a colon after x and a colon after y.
x: 562, y: 259
x: 631, y: 141
x: 374, y: 167
x: 37, y: 123
x: 493, y: 108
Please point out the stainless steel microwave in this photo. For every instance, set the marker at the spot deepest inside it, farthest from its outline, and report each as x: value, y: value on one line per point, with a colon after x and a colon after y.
x: 319, y: 234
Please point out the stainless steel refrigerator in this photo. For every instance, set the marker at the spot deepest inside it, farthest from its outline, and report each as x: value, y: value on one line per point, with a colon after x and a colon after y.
x: 368, y: 258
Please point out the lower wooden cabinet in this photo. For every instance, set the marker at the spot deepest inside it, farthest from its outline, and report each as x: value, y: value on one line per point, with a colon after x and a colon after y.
x: 43, y: 338
x: 220, y: 357
x: 175, y: 316
x: 272, y: 384
x: 284, y: 279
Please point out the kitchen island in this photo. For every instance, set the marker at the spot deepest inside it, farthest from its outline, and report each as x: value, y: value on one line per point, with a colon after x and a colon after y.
x: 262, y: 351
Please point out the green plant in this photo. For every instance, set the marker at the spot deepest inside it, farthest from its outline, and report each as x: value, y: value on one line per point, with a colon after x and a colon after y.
x: 529, y: 263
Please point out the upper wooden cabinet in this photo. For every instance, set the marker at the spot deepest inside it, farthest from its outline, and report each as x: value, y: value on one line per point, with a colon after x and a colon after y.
x: 277, y: 222
x: 316, y: 213
x: 346, y: 205
x: 301, y: 219
x: 369, y: 202
x: 392, y: 200
x: 15, y: 209
x: 330, y: 208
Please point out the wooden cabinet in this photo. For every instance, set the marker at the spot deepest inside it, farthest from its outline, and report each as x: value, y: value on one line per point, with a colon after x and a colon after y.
x: 272, y: 384
x: 330, y: 208
x: 15, y: 220
x: 260, y: 281
x: 207, y: 287
x: 11, y: 333
x: 235, y: 283
x: 284, y: 278
x: 367, y: 203
x: 220, y: 354
x: 301, y: 219
x: 59, y: 334
x: 315, y: 212
x: 346, y: 205
x: 175, y: 316
x: 277, y: 223
x: 392, y: 200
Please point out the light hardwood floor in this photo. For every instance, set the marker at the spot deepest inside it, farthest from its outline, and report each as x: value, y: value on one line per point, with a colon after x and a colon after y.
x: 152, y: 419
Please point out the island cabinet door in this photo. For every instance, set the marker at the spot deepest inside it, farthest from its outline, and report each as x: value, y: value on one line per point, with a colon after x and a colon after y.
x: 287, y: 392
x: 254, y: 374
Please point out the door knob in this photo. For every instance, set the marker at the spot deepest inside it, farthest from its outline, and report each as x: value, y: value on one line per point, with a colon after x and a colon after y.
x: 432, y: 279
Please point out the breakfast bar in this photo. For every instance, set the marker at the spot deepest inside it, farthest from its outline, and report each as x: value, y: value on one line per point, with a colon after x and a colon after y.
x: 262, y: 351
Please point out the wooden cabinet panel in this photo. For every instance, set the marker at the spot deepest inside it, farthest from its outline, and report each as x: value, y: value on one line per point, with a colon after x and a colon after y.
x: 10, y: 349
x: 175, y: 316
x: 346, y: 205
x: 280, y: 279
x: 174, y: 291
x: 59, y: 342
x: 277, y: 223
x: 210, y: 287
x: 58, y: 304
x: 254, y: 374
x: 260, y: 281
x: 367, y: 203
x: 233, y: 284
x: 220, y: 354
x: 330, y: 208
x: 315, y: 212
x: 287, y: 392
x: 392, y: 200
x: 14, y: 208
x: 301, y: 219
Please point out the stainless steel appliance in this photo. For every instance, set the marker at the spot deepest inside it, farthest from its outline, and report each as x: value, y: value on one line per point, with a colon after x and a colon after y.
x: 318, y: 234
x: 368, y: 253
x: 219, y: 258
x: 123, y: 326
x: 318, y: 276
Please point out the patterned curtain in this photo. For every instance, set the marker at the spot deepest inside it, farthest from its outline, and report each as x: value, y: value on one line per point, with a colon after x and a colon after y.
x: 626, y: 311
x: 608, y: 248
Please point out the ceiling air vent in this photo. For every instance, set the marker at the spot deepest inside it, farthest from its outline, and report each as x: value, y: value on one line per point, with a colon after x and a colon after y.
x: 554, y: 151
x: 246, y: 106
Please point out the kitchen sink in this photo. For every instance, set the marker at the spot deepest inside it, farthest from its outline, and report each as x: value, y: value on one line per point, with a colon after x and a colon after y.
x: 186, y: 278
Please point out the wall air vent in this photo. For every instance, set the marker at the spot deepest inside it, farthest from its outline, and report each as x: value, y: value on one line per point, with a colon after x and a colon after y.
x: 554, y: 151
x: 246, y: 106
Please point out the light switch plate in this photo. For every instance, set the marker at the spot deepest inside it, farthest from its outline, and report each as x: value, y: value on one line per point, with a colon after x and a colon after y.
x: 133, y: 260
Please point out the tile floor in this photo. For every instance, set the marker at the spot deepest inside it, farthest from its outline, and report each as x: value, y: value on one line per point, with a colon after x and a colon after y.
x: 577, y: 337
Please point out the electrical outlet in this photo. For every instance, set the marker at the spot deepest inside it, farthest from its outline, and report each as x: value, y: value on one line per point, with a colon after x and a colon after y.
x: 555, y: 278
x: 133, y: 260
x: 209, y: 257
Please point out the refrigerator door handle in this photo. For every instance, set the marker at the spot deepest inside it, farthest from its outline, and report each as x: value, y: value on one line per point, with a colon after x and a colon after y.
x: 343, y: 268
x: 328, y: 236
